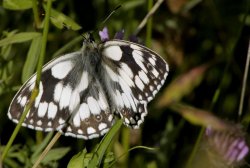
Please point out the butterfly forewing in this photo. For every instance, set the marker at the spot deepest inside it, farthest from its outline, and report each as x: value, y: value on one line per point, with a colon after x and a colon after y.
x: 80, y: 92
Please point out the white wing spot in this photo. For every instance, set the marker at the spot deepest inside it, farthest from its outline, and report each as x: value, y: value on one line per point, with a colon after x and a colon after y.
x: 111, y: 73
x: 110, y: 118
x: 127, y: 69
x: 61, y: 70
x: 19, y: 98
x: 152, y: 61
x: 31, y: 121
x: 84, y: 112
x: 118, y: 98
x: 165, y: 75
x: 49, y: 124
x: 126, y: 78
x: 139, y: 60
x: 79, y: 131
x: 31, y: 126
x: 32, y: 86
x: 113, y: 52
x: 93, y: 136
x: 52, y: 110
x: 155, y: 72
x: 150, y: 98
x: 74, y: 100
x: 93, y: 106
x: 23, y: 101
x: 102, y: 101
x: 126, y: 120
x: 139, y: 83
x: 104, y: 131
x: 132, y: 120
x: 84, y: 82
x: 140, y: 97
x: 102, y: 126
x: 65, y: 97
x: 61, y: 121
x: 48, y: 129
x: 39, y: 128
x: 58, y: 92
x: 135, y: 47
x: 42, y: 109
x: 91, y: 130
x: 125, y: 100
x: 39, y: 122
x: 69, y: 129
x: 154, y: 92
x: 72, y: 135
x: 76, y: 120
x: 143, y: 77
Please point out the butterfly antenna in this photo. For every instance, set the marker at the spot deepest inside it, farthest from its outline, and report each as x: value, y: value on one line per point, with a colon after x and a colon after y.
x: 114, y: 10
x: 90, y: 33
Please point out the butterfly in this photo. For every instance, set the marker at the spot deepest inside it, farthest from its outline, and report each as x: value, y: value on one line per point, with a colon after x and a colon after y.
x: 81, y: 92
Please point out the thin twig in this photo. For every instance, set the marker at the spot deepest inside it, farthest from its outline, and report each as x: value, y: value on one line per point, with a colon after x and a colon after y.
x: 244, y: 82
x: 47, y: 149
x: 150, y: 13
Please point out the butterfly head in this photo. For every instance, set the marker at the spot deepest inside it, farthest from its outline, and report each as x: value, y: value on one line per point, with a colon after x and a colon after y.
x: 89, y: 44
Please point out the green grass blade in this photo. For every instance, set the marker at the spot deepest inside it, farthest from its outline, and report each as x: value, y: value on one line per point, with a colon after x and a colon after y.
x: 32, y: 57
x: 19, y: 38
x: 104, y: 144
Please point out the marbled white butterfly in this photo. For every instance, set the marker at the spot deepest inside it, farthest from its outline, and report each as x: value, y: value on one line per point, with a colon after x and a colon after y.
x: 80, y: 92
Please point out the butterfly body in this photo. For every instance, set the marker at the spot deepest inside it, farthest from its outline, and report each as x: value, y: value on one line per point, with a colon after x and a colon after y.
x: 80, y: 92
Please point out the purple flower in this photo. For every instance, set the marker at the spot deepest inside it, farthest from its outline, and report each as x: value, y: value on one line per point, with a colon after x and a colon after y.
x: 230, y: 145
x: 119, y: 35
x: 104, y: 35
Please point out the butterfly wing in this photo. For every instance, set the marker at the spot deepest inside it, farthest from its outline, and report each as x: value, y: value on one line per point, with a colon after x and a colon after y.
x: 70, y: 100
x: 134, y: 74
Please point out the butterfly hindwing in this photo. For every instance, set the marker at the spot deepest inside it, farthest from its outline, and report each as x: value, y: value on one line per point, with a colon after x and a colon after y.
x: 137, y: 74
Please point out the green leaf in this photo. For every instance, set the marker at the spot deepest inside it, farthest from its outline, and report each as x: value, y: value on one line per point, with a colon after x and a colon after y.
x: 132, y: 4
x: 55, y: 154
x: 32, y: 57
x: 60, y: 21
x: 77, y: 161
x: 82, y: 159
x: 19, y: 38
x: 17, y: 4
x: 201, y: 117
x: 104, y: 144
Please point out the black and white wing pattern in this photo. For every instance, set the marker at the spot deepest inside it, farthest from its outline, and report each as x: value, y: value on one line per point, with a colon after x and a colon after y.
x: 79, y: 93
x: 70, y: 100
x: 133, y: 76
